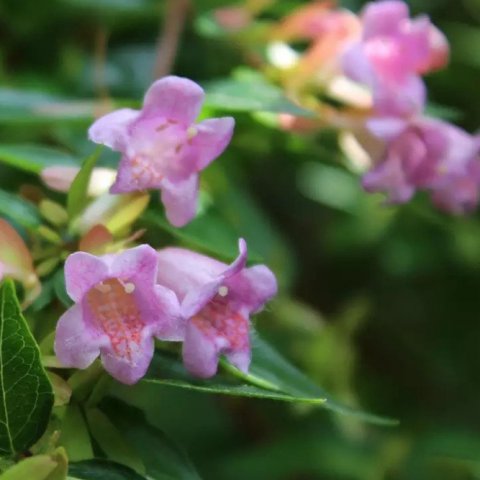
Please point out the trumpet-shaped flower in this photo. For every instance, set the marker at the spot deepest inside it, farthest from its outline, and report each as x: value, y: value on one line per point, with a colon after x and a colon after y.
x: 216, y: 301
x: 118, y: 310
x: 426, y: 154
x: 392, y: 54
x: 162, y: 147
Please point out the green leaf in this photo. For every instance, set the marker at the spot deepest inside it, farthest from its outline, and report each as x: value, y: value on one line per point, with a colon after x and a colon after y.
x: 77, y: 196
x: 161, y: 456
x: 20, y: 106
x: 271, y: 377
x: 60, y: 290
x: 20, y: 211
x: 34, y: 158
x: 251, y: 94
x: 34, y: 468
x: 167, y: 370
x: 74, y: 434
x: 102, y: 470
x: 27, y: 395
x: 111, y: 441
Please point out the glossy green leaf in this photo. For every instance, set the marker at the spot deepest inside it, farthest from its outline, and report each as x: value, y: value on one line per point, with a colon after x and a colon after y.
x: 111, y: 441
x: 271, y: 377
x: 161, y: 456
x: 20, y: 106
x: 74, y: 434
x: 27, y: 395
x: 102, y: 470
x: 252, y: 94
x: 77, y: 195
x: 20, y: 211
x: 34, y: 158
x: 59, y: 288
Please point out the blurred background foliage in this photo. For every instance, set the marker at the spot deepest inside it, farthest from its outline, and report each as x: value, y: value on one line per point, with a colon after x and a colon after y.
x: 380, y: 305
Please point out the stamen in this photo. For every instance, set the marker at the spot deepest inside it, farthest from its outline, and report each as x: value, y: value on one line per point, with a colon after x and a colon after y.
x: 129, y: 288
x: 102, y: 287
x: 191, y: 132
x: 223, y: 291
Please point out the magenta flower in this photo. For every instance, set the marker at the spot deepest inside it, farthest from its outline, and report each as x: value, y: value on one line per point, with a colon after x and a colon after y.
x: 216, y: 301
x: 162, y: 148
x: 392, y: 54
x: 426, y: 154
x: 118, y: 310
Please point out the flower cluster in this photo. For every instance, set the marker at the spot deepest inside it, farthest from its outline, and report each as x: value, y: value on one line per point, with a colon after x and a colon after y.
x: 123, y: 301
x: 419, y: 152
x: 373, y: 65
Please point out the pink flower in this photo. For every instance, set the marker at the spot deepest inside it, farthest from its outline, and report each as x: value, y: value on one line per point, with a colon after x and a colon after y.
x: 216, y: 300
x: 426, y: 154
x: 162, y: 148
x: 118, y: 310
x: 392, y: 54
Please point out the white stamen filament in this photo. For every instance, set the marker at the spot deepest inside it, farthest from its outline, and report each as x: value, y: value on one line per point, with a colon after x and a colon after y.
x: 101, y: 287
x: 129, y: 287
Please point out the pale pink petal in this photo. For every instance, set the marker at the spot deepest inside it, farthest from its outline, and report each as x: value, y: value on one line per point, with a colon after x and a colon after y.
x: 357, y: 66
x: 402, y: 99
x: 240, y: 358
x: 389, y: 177
x: 77, y: 344
x: 112, y: 129
x: 383, y: 18
x: 129, y: 370
x: 196, y: 299
x: 82, y: 272
x: 180, y: 200
x: 439, y: 51
x: 386, y: 128
x: 253, y: 287
x: 173, y: 98
x: 171, y: 325
x: 211, y: 139
x: 138, y: 265
x: 200, y: 353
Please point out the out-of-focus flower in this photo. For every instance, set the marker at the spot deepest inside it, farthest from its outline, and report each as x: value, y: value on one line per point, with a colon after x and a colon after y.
x: 118, y: 310
x: 16, y: 261
x: 60, y: 178
x: 217, y: 300
x: 392, y: 54
x: 233, y: 18
x: 425, y: 154
x: 162, y: 148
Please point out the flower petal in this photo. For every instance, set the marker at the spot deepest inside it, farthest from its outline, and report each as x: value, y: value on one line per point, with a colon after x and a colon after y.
x: 200, y: 354
x: 129, y: 370
x: 82, y: 272
x: 112, y: 129
x: 240, y: 358
x: 403, y: 99
x: 170, y: 326
x: 383, y: 18
x: 386, y: 128
x: 196, y: 299
x: 253, y: 287
x: 174, y: 98
x: 213, y: 136
x: 180, y: 199
x: 77, y: 344
x: 138, y: 265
